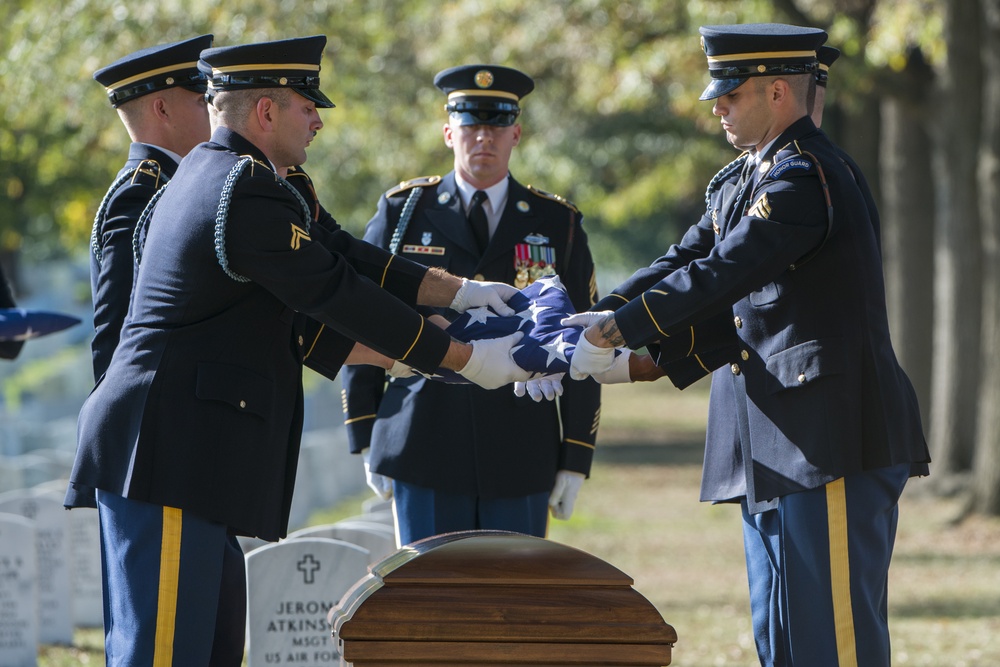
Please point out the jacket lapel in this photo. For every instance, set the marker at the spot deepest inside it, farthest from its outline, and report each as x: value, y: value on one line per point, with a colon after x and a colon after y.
x: 446, y: 215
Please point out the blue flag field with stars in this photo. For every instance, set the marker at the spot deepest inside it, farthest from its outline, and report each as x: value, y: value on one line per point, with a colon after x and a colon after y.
x: 547, y: 346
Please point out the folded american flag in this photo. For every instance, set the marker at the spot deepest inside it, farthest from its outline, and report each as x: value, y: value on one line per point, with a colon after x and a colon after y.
x: 547, y: 346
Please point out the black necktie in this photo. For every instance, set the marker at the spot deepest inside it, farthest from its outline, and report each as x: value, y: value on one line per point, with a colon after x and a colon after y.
x: 477, y: 218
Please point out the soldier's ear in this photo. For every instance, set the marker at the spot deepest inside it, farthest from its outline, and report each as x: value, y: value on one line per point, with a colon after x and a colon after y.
x: 264, y: 112
x: 159, y: 107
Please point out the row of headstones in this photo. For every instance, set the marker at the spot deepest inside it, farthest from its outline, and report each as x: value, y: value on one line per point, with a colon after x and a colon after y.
x: 26, y: 471
x: 50, y: 572
x: 50, y: 578
x: 326, y: 473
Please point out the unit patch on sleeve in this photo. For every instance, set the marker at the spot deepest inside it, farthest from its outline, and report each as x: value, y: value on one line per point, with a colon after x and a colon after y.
x: 796, y: 162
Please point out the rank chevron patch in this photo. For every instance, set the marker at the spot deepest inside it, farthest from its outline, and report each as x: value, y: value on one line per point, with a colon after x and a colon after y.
x: 298, y: 235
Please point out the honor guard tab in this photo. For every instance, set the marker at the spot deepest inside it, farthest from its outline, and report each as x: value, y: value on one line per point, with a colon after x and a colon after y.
x: 156, y: 68
x: 737, y: 52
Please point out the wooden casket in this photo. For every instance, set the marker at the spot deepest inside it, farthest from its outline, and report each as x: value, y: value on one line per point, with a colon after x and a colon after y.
x: 497, y: 598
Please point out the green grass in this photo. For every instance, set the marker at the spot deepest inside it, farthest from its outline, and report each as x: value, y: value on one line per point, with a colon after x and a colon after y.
x: 640, y: 512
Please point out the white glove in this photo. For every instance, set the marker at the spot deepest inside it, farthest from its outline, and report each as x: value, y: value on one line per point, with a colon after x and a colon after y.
x: 400, y: 370
x: 585, y: 319
x: 547, y: 386
x: 588, y: 359
x: 475, y: 293
x: 619, y: 372
x: 564, y: 493
x: 491, y: 364
x: 380, y: 484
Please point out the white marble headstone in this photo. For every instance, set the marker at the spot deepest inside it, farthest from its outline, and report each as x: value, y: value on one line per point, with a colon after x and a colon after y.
x: 18, y: 592
x: 55, y: 592
x: 373, y: 537
x: 10, y: 475
x: 291, y: 587
x: 85, y: 573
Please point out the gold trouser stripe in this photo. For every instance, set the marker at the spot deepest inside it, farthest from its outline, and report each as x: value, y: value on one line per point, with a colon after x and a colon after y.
x: 840, y: 574
x: 166, y: 606
x: 691, y: 349
x: 385, y: 271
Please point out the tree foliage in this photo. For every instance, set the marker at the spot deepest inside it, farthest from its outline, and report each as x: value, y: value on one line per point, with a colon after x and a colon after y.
x: 614, y: 123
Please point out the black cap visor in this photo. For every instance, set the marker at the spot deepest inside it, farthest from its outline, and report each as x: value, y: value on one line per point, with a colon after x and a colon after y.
x: 720, y: 87
x: 484, y: 112
x: 316, y: 96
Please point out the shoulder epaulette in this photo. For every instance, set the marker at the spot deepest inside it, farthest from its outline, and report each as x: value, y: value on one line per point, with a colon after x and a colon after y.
x: 254, y: 162
x: 152, y: 169
x: 556, y: 198
x: 423, y: 181
x: 149, y: 168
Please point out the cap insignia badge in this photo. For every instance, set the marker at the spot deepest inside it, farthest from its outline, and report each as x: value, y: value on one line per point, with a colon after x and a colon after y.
x: 484, y: 78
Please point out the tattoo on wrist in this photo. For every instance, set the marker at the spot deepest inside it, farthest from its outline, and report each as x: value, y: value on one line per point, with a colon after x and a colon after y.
x: 609, y: 332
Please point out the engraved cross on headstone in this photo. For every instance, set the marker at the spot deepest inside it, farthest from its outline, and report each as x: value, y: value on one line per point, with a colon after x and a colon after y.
x: 308, y: 567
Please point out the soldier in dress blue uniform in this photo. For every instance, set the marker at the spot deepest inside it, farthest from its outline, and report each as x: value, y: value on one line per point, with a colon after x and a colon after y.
x: 827, y: 422
x: 159, y: 94
x: 191, y: 436
x: 458, y: 457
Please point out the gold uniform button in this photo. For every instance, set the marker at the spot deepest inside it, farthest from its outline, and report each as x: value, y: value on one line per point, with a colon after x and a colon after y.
x: 479, y: 276
x: 738, y: 322
x: 802, y: 378
x: 735, y: 368
x: 744, y: 355
x: 243, y: 404
x: 300, y: 341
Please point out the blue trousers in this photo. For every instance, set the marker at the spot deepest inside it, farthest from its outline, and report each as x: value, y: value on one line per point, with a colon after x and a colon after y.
x: 174, y: 587
x: 423, y: 512
x: 818, y: 569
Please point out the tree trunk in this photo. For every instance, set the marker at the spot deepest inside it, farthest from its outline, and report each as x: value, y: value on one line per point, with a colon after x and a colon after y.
x: 986, y: 480
x: 957, y: 265
x: 908, y: 222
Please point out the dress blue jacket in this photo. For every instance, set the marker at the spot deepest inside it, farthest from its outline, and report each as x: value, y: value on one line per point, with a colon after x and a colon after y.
x: 111, y: 261
x: 462, y: 438
x: 201, y: 405
x: 817, y: 390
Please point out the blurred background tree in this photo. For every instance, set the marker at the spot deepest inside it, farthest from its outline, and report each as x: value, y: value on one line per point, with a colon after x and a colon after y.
x: 614, y: 125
